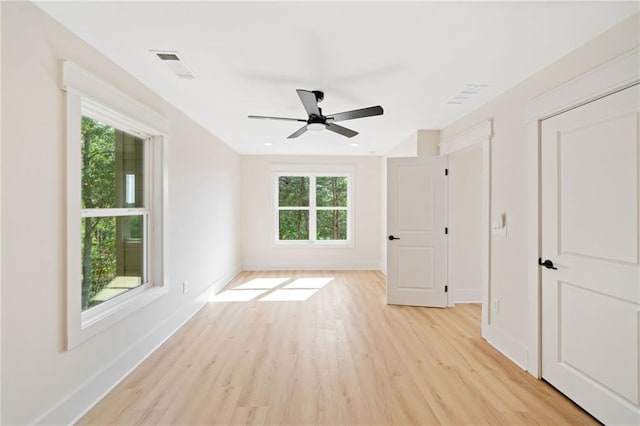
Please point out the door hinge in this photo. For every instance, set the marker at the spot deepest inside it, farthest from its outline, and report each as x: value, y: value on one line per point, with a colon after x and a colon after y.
x: 446, y: 230
x: 446, y: 289
x: 446, y: 172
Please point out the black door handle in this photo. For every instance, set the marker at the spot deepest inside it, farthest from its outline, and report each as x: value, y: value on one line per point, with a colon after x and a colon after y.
x: 391, y: 238
x: 547, y: 263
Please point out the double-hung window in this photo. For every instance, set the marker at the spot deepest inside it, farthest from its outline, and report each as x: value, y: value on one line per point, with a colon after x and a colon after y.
x: 313, y: 207
x: 115, y: 211
x: 116, y: 196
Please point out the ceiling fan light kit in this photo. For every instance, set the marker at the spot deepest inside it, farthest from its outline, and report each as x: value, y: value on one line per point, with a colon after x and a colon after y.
x: 316, y: 126
x: 316, y: 121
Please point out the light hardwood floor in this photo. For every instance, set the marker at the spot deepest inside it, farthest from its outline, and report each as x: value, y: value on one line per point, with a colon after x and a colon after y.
x: 341, y: 357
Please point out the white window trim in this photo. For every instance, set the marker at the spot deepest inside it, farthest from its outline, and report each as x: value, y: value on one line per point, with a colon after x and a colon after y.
x: 87, y: 95
x: 312, y: 242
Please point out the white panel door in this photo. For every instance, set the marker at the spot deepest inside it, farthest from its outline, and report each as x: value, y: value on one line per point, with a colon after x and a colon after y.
x: 590, y: 232
x: 416, y: 240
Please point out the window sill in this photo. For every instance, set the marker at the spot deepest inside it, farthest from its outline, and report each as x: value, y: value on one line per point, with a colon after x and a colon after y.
x: 314, y: 244
x: 105, y: 315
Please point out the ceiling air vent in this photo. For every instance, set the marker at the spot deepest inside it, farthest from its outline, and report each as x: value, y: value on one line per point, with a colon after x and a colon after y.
x: 175, y: 64
x: 467, y: 92
x: 168, y: 56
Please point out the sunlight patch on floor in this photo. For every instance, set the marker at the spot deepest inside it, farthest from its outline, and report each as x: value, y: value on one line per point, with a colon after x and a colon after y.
x: 273, y: 289
x: 237, y: 295
x: 309, y: 282
x: 261, y: 283
x: 289, y: 295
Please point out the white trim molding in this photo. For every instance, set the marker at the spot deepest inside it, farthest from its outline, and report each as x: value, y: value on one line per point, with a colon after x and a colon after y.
x: 79, y: 81
x: 88, y: 95
x: 467, y: 295
x: 72, y: 407
x: 481, y: 133
x: 509, y: 347
x: 604, y: 80
x: 478, y: 133
x: 608, y: 78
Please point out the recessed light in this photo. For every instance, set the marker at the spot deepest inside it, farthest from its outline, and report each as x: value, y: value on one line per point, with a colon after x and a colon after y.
x: 355, y: 144
x: 268, y: 143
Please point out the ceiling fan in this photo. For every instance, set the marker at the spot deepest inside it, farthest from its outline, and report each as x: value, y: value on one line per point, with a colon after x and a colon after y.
x: 317, y: 121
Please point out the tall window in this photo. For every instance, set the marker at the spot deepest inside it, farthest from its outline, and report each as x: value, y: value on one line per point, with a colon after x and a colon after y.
x: 313, y: 208
x: 116, y: 198
x: 114, y: 212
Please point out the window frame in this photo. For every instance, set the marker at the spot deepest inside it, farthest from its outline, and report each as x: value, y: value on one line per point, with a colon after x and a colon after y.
x: 146, y: 211
x: 87, y: 95
x: 313, y: 208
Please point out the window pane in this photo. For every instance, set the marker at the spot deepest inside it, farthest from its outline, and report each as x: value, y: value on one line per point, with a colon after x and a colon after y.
x: 112, y: 167
x: 293, y: 224
x: 331, y: 191
x: 331, y: 225
x: 112, y: 262
x: 132, y: 227
x: 293, y: 191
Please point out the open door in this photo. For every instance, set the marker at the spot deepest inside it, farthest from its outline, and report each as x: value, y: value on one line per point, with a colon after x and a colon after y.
x: 416, y: 231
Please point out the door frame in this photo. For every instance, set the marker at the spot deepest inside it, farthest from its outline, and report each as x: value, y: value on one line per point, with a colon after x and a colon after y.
x: 614, y: 76
x: 481, y: 134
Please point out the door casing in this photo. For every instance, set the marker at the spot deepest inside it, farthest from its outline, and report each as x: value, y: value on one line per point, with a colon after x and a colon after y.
x: 479, y: 134
x: 619, y: 74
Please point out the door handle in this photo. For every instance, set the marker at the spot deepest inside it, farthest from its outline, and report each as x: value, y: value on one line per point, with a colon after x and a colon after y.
x: 547, y: 263
x: 391, y: 238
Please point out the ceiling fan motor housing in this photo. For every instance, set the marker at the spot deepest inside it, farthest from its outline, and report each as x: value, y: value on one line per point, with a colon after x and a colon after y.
x: 317, y: 118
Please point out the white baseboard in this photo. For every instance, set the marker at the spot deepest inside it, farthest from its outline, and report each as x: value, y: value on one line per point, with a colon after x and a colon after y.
x: 218, y: 285
x: 506, y: 345
x: 467, y: 295
x: 363, y: 266
x: 72, y: 408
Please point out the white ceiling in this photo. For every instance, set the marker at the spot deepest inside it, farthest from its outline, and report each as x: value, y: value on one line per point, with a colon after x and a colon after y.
x: 411, y: 58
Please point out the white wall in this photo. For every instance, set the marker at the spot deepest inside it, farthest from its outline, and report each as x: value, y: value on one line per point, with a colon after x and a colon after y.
x: 258, y: 221
x: 428, y: 141
x: 0, y: 213
x: 407, y: 148
x: 509, y: 177
x: 465, y: 224
x: 40, y: 380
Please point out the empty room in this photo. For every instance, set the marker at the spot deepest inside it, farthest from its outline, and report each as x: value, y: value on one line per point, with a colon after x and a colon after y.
x: 320, y: 213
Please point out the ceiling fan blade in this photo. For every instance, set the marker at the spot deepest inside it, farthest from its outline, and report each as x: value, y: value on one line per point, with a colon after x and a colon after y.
x: 356, y: 113
x: 309, y: 101
x: 297, y: 132
x: 277, y: 118
x: 341, y: 130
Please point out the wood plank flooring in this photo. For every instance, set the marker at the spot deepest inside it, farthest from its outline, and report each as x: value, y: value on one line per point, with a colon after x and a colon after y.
x: 340, y: 357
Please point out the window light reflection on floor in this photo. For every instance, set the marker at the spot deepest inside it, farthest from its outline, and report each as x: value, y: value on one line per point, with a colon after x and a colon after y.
x: 299, y: 290
x: 309, y: 282
x: 261, y: 283
x: 288, y: 295
x: 233, y: 295
x: 273, y: 290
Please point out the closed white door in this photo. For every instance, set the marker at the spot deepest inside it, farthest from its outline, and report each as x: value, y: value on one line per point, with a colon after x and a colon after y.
x: 416, y: 239
x: 590, y: 233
